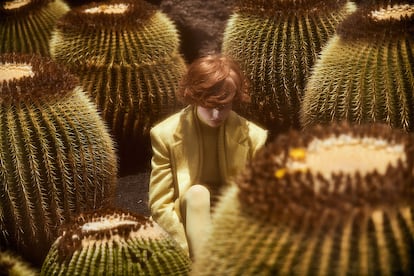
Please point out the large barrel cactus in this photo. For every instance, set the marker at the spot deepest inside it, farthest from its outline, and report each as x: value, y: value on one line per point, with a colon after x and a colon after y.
x: 334, y: 200
x: 366, y: 72
x: 26, y: 25
x: 126, y: 54
x: 276, y: 43
x: 57, y: 158
x: 115, y: 242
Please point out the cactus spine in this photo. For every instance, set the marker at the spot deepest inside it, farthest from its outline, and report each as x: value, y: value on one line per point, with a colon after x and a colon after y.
x: 57, y: 158
x: 276, y: 43
x: 366, y: 72
x: 131, y: 70
x: 331, y: 200
x: 26, y: 25
x: 115, y: 243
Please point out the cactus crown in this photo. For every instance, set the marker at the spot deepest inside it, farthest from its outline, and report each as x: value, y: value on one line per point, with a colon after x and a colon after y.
x: 287, y: 7
x: 104, y: 225
x: 380, y: 20
x: 30, y: 77
x: 334, y: 168
x: 115, y: 14
x: 13, y: 8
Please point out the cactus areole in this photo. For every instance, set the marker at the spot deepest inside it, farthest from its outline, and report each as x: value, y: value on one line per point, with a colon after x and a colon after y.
x: 114, y: 15
x: 26, y: 78
x: 338, y: 168
x: 115, y: 242
x: 21, y: 7
x: 379, y: 22
x: 11, y: 5
x: 94, y: 228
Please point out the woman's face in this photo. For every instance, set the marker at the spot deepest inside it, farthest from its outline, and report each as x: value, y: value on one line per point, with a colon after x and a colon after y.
x: 216, y: 116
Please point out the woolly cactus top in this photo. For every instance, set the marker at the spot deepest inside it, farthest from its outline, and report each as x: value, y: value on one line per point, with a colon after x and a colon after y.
x: 114, y: 14
x: 20, y: 7
x: 25, y: 78
x: 288, y: 6
x: 378, y: 21
x: 99, y: 226
x: 340, y: 167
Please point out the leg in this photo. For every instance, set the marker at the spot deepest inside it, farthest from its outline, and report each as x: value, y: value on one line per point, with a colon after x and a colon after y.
x: 196, y: 211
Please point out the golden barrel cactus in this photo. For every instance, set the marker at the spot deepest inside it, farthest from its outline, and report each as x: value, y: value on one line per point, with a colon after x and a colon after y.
x: 276, y: 43
x: 26, y: 25
x: 334, y: 200
x: 115, y: 242
x: 366, y: 72
x: 126, y: 54
x: 57, y: 158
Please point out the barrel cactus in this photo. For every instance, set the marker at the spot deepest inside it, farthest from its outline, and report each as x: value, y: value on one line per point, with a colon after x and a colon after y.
x: 26, y: 25
x: 328, y: 201
x: 13, y: 265
x: 276, y: 43
x: 57, y: 158
x: 126, y: 54
x: 366, y: 72
x: 115, y: 242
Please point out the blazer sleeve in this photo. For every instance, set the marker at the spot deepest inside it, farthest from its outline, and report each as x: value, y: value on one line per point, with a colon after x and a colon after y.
x: 161, y: 191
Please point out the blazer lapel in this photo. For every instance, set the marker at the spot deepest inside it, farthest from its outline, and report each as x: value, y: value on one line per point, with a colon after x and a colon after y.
x: 234, y: 149
x: 186, y: 151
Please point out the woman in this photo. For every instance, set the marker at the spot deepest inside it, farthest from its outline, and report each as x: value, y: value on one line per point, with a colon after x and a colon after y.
x: 198, y: 150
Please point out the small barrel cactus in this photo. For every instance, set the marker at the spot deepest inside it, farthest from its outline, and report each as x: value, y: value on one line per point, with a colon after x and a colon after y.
x: 26, y: 25
x: 366, y: 71
x: 276, y: 43
x: 115, y: 242
x: 13, y: 265
x: 126, y: 54
x: 328, y: 201
x: 57, y: 158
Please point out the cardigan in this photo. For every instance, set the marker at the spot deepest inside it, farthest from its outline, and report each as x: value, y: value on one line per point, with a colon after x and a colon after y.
x: 176, y: 161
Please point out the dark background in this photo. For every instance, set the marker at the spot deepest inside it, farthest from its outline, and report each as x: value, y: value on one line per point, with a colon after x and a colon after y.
x: 200, y: 24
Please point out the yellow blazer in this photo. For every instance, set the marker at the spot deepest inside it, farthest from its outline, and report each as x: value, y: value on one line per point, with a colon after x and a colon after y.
x: 176, y: 161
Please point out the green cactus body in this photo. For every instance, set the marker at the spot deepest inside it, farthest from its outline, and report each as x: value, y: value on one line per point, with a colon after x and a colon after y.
x: 13, y: 265
x: 334, y: 200
x: 128, y: 60
x: 26, y: 26
x: 366, y: 72
x: 115, y: 243
x: 137, y: 95
x: 276, y: 43
x: 57, y: 158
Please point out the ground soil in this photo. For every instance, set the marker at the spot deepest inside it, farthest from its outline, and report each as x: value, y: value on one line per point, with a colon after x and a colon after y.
x: 200, y: 24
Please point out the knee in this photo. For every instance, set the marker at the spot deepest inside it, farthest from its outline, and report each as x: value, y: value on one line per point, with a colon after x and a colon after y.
x: 197, y: 196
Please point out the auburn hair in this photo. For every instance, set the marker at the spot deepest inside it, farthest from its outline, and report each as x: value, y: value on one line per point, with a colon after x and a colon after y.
x: 213, y: 80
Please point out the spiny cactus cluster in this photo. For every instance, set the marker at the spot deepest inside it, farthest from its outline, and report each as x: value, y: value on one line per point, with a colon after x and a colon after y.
x: 26, y: 25
x: 115, y: 242
x: 330, y: 200
x: 366, y: 72
x: 57, y: 158
x: 276, y: 43
x: 126, y: 54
